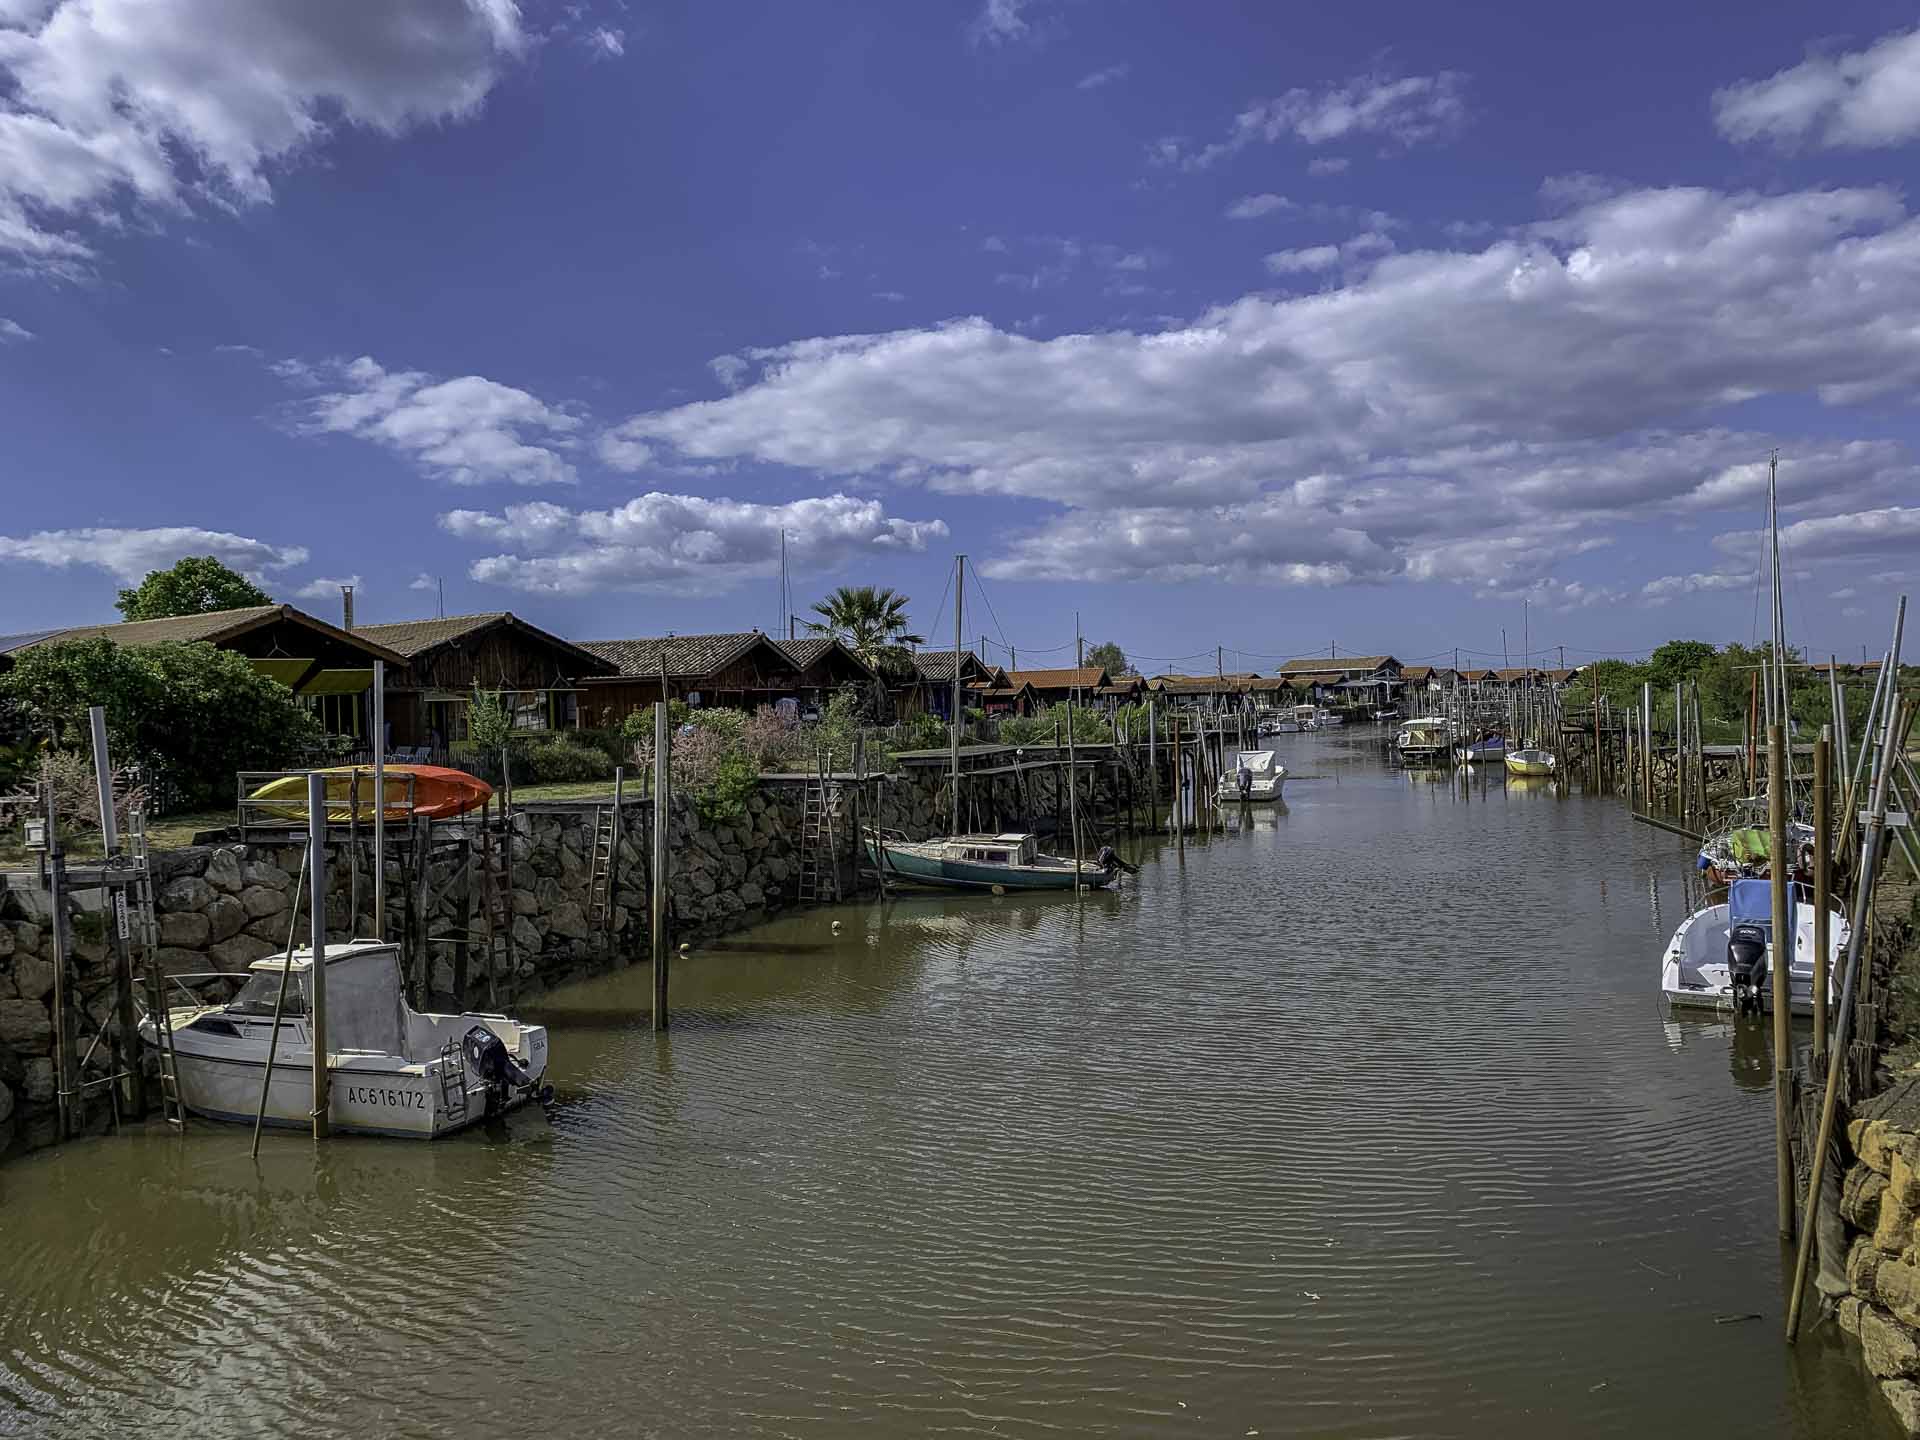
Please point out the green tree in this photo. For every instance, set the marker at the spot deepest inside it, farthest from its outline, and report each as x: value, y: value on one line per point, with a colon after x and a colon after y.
x: 192, y: 715
x: 1108, y: 656
x: 194, y: 585
x: 1678, y: 660
x: 871, y: 621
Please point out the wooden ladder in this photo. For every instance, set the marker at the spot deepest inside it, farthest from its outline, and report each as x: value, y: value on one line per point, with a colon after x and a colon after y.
x: 600, y: 876
x: 146, y: 933
x: 819, y: 874
x: 496, y: 903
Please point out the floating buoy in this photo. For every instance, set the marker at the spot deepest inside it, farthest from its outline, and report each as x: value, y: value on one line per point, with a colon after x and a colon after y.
x: 836, y: 927
x: 685, y: 949
x: 999, y: 889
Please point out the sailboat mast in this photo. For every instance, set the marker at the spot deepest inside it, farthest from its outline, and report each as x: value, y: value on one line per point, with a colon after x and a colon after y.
x: 959, y: 622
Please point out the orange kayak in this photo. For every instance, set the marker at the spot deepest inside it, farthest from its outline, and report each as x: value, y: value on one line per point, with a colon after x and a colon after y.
x: 438, y: 793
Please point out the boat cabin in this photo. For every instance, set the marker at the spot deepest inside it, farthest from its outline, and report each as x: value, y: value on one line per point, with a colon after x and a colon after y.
x: 994, y: 849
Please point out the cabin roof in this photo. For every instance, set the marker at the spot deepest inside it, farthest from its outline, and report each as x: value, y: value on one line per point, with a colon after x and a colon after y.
x: 414, y: 638
x: 1336, y: 663
x: 1084, y: 677
x: 683, y: 655
x: 303, y: 957
x: 937, y: 665
x: 809, y: 650
x: 212, y: 626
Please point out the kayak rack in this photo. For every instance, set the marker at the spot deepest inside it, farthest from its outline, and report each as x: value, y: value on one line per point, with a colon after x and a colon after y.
x: 282, y: 820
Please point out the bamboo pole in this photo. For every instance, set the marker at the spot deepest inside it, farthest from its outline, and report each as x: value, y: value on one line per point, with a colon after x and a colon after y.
x: 1174, y: 817
x: 1778, y: 881
x: 317, y: 970
x: 1753, y: 729
x: 1679, y: 767
x: 661, y: 785
x: 1822, y: 881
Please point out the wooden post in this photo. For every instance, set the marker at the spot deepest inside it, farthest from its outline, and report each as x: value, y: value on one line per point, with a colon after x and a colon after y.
x: 1778, y: 871
x: 380, y: 803
x: 1699, y: 756
x: 1173, y: 813
x: 57, y: 932
x: 1822, y: 850
x: 1153, y: 771
x: 126, y: 1044
x: 613, y: 850
x: 1073, y: 801
x: 1646, y: 747
x: 1679, y: 767
x: 317, y: 971
x: 661, y: 788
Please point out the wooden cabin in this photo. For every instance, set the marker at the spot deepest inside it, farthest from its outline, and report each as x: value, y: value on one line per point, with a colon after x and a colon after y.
x: 329, y: 669
x: 739, y: 670
x: 1078, y: 683
x: 446, y: 660
x: 825, y: 667
x: 930, y: 689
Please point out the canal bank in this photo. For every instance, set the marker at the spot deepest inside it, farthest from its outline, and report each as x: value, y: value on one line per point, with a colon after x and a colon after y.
x: 1364, y: 1120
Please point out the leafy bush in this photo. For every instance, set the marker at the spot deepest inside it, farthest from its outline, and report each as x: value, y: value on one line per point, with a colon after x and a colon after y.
x: 1090, y: 727
x: 489, y: 723
x: 562, y: 760
x: 190, y: 714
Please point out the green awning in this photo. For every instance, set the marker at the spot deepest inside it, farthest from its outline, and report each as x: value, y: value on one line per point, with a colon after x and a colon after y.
x: 339, y: 682
x: 287, y: 672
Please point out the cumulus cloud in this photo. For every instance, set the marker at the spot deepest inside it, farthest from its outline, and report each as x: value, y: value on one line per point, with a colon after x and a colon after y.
x: 1252, y: 207
x: 1549, y: 382
x: 1315, y: 257
x: 688, y: 543
x: 1000, y: 22
x: 325, y: 588
x: 12, y: 331
x: 1861, y: 100
x: 1673, y: 587
x: 1403, y: 110
x: 605, y: 43
x: 423, y: 581
x: 1892, y: 530
x: 1107, y: 76
x: 110, y: 104
x: 465, y: 431
x: 129, y: 554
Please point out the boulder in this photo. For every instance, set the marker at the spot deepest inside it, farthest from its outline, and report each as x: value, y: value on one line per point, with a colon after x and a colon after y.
x: 1890, y: 1349
x: 32, y: 977
x: 1903, y: 1398
x: 25, y: 1026
x: 6, y: 941
x: 1893, y: 1225
x: 185, y: 928
x: 1847, y: 1312
x: 261, y: 901
x: 6, y: 1102
x: 223, y: 871
x: 1863, y: 1265
x: 751, y: 895
x: 226, y: 917
x: 440, y: 977
x: 180, y: 962
x: 171, y: 864
x: 526, y: 938
x: 274, y: 928
x: 189, y: 892
x: 525, y: 902
x: 570, y: 921
x: 26, y: 937
x: 1896, y: 1285
x: 39, y: 1087
x: 272, y: 876
x: 236, y: 954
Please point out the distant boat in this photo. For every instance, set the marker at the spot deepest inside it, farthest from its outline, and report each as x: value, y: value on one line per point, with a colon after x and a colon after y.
x: 1426, y: 739
x: 1326, y: 719
x: 1386, y: 712
x: 1720, y: 958
x: 1532, y: 762
x: 985, y: 862
x: 1489, y: 749
x: 437, y: 794
x: 1265, y: 776
x: 1307, y: 717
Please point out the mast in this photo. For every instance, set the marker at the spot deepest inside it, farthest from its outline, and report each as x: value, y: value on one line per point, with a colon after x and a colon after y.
x: 959, y: 608
x: 786, y: 621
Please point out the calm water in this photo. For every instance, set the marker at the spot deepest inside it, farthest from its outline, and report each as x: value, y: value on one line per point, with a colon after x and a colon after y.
x: 1363, y: 1121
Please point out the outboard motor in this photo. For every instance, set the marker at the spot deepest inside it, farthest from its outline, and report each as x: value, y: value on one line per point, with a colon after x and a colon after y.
x: 1746, y: 966
x: 1107, y: 860
x: 489, y: 1058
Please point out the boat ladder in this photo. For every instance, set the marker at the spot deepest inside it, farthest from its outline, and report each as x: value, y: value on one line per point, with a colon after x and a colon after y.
x: 146, y: 933
x: 819, y: 872
x: 600, y: 875
x: 453, y: 1081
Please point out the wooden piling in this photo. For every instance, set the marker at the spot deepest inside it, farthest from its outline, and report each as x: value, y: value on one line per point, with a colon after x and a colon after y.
x: 1822, y: 893
x: 317, y: 970
x: 661, y: 787
x: 1174, y: 817
x: 1073, y: 802
x: 1778, y: 872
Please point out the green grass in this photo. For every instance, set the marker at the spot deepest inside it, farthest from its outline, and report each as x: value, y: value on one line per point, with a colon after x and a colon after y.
x: 171, y: 833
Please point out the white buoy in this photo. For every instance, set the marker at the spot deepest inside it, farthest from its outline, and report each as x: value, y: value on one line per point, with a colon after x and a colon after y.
x: 836, y: 927
x: 685, y: 949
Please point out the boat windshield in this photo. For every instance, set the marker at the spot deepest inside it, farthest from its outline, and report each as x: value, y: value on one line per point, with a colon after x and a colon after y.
x: 262, y: 990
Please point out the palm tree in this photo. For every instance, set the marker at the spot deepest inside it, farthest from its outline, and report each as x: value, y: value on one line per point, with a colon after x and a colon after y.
x: 871, y: 621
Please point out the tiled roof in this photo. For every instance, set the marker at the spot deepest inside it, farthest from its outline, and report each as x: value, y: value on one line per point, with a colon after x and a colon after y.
x: 11, y: 643
x: 937, y: 665
x: 415, y: 637
x: 1086, y: 677
x: 212, y: 626
x: 685, y: 655
x: 808, y: 649
x: 1416, y: 672
x: 1317, y: 663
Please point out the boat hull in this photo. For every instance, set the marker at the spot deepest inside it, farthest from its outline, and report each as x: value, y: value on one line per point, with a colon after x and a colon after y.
x: 1517, y: 766
x: 1694, y: 975
x: 908, y: 865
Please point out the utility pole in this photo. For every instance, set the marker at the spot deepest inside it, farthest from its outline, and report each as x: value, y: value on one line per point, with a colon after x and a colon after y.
x: 442, y: 586
x: 1079, y: 643
x: 784, y: 620
x: 1563, y: 657
x: 1506, y: 660
x: 1219, y: 662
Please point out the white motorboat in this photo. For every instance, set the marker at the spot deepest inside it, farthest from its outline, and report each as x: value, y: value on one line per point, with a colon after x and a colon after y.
x: 1257, y: 777
x: 1428, y: 738
x: 394, y: 1070
x: 1386, y: 712
x: 1326, y: 719
x: 1721, y: 957
x: 1306, y: 717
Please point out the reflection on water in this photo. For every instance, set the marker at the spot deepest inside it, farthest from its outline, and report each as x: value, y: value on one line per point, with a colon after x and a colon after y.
x: 1363, y: 1120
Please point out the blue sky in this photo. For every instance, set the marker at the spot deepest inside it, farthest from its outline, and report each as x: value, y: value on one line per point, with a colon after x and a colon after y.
x: 1253, y: 326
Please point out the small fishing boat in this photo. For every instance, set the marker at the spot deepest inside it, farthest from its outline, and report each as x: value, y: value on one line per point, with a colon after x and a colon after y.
x: 1743, y: 845
x: 985, y: 862
x: 395, y: 1071
x: 1256, y: 777
x: 1489, y: 749
x: 1424, y: 740
x: 437, y: 793
x: 1326, y: 719
x: 1285, y: 725
x: 1307, y: 717
x: 1532, y: 762
x: 1721, y: 957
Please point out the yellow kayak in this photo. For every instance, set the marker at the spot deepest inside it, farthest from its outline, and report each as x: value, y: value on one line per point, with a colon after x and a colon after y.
x: 438, y: 793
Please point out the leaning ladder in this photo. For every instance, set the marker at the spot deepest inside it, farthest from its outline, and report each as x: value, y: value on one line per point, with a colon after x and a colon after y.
x: 819, y: 876
x: 147, y: 934
x: 600, y: 876
x: 497, y: 904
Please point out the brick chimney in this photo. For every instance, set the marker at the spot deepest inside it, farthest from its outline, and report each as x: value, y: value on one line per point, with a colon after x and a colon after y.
x: 346, y: 607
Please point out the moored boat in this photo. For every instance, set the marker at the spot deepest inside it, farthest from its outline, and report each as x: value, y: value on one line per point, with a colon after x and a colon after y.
x: 1325, y: 719
x: 394, y: 1070
x: 1424, y: 740
x: 1011, y: 861
x: 1532, y: 762
x: 1256, y: 777
x: 1489, y: 749
x: 1721, y: 957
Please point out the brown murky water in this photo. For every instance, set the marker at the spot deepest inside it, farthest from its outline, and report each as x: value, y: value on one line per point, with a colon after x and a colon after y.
x: 1365, y: 1121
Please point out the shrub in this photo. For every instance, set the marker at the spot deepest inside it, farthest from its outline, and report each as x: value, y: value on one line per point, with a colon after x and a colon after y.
x: 489, y: 723
x: 562, y: 760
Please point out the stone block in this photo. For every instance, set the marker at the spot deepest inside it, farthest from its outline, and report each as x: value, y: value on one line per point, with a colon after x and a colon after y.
x: 525, y: 902
x: 32, y: 977
x: 570, y: 921
x: 1896, y: 1285
x: 1903, y: 1398
x: 1863, y: 1265
x: 526, y: 938
x: 223, y: 871
x: 1847, y: 1313
x: 226, y: 917
x: 1893, y: 1226
x: 168, y: 865
x: 7, y: 942
x: 1890, y: 1349
x: 25, y: 1026
x: 189, y: 892
x: 27, y: 937
x: 751, y: 895
x: 185, y: 928
x: 39, y: 1087
x: 273, y: 928
x: 260, y: 901
x: 173, y: 961
x: 236, y: 954
x: 6, y: 1102
x: 272, y: 876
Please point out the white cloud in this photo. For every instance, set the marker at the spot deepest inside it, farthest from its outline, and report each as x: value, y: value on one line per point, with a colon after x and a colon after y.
x: 106, y: 104
x: 892, y: 297
x: 1865, y: 99
x: 1405, y: 110
x: 729, y: 370
x: 1845, y: 592
x: 324, y: 588
x: 1000, y: 22
x: 1673, y: 587
x: 605, y: 43
x: 1252, y: 207
x: 423, y: 581
x: 1103, y: 77
x: 1892, y: 530
x: 1327, y: 164
x: 129, y: 554
x: 686, y: 543
x: 12, y: 332
x: 466, y: 431
x: 1553, y: 381
x: 1315, y: 257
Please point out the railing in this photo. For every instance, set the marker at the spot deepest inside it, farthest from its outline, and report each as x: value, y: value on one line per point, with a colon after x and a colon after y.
x: 285, y: 817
